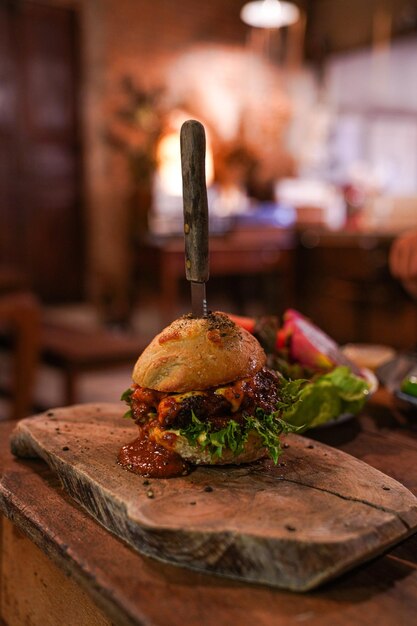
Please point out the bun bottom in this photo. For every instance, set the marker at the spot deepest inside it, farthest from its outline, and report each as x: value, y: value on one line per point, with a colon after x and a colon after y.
x: 197, y: 455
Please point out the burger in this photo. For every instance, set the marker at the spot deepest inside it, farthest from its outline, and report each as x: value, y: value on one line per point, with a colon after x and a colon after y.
x: 202, y: 394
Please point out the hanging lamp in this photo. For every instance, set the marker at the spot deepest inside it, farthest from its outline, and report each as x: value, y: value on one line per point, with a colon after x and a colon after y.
x: 269, y: 13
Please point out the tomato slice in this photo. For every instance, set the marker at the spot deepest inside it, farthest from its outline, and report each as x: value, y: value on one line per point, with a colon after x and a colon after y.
x: 248, y: 323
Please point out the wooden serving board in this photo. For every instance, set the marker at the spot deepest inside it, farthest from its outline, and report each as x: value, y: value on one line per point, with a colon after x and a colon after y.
x: 296, y: 525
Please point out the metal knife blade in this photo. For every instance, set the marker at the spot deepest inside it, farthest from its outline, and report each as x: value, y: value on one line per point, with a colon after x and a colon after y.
x: 198, y: 299
x: 193, y: 153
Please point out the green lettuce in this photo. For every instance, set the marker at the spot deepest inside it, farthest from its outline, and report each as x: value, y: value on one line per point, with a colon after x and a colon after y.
x: 234, y: 436
x: 310, y: 403
x: 127, y: 397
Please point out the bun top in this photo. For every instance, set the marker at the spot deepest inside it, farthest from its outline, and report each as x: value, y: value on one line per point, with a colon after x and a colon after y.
x: 193, y: 354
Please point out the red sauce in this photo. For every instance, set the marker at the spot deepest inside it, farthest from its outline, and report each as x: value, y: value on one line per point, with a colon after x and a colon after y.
x: 147, y: 458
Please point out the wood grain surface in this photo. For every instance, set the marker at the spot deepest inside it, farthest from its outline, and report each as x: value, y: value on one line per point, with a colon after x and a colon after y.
x: 29, y: 583
x: 295, y: 525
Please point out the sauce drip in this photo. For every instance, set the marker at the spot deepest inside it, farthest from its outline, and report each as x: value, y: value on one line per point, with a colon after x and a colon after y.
x: 147, y: 458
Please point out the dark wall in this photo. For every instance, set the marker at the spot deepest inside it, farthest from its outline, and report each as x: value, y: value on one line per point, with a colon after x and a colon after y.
x: 41, y: 230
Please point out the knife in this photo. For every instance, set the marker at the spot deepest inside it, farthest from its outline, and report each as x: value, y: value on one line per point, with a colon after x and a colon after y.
x: 193, y: 157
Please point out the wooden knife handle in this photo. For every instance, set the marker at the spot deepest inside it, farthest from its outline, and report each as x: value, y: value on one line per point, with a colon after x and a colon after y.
x: 193, y: 157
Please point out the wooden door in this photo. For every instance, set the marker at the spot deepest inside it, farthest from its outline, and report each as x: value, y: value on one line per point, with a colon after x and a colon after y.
x: 41, y: 225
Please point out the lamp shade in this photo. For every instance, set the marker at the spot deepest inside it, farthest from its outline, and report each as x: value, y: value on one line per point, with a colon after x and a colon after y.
x: 269, y: 13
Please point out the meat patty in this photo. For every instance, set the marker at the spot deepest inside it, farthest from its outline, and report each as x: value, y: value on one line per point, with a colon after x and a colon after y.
x: 215, y: 404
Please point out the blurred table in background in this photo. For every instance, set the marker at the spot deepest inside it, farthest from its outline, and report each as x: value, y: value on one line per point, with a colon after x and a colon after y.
x: 253, y: 251
x: 339, y: 278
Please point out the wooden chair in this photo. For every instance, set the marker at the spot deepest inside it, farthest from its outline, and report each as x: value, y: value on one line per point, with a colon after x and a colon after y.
x: 20, y: 326
x: 75, y: 351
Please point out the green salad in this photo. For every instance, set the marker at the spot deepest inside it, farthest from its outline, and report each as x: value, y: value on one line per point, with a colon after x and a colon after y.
x: 311, y: 403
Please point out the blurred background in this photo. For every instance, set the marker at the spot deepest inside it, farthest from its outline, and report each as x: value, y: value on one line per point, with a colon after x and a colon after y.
x: 310, y: 114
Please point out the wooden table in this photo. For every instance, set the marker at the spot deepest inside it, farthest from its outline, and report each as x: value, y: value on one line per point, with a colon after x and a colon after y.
x: 242, y: 252
x: 80, y: 574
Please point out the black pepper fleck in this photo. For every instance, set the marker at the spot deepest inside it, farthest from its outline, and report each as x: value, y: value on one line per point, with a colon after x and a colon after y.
x: 65, y: 448
x: 208, y: 489
x: 290, y: 528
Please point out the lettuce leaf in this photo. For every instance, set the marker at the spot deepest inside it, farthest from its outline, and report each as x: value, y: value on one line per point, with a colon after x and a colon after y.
x: 325, y: 397
x: 234, y: 436
x: 127, y: 397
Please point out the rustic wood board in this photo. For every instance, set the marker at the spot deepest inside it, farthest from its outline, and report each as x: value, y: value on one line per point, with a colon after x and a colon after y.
x: 295, y: 525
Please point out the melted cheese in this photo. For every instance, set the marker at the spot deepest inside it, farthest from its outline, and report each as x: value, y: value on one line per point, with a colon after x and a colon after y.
x: 233, y: 395
x: 188, y: 394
